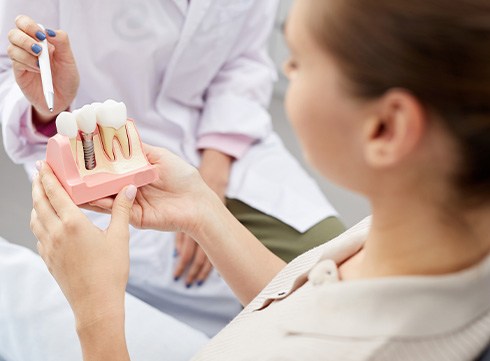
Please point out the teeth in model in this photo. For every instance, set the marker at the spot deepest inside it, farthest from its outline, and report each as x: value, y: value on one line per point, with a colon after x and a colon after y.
x: 86, y: 119
x: 87, y: 123
x: 112, y: 117
x: 66, y: 125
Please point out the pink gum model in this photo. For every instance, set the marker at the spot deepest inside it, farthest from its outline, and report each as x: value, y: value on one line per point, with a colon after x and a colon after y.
x: 107, y: 178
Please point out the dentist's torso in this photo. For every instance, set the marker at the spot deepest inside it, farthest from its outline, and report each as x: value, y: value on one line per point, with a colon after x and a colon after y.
x: 160, y: 57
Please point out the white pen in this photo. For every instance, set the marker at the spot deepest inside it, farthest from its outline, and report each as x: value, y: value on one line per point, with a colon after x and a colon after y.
x: 46, y: 77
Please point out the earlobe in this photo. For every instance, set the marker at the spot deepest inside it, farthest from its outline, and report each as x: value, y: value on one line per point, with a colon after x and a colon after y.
x: 394, y: 132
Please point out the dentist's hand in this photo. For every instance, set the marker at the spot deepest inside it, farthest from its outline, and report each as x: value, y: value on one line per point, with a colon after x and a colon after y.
x: 90, y: 265
x: 215, y: 170
x: 24, y: 51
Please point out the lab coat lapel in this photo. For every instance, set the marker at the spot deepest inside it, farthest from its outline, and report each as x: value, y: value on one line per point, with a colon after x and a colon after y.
x: 197, y: 10
x: 182, y: 5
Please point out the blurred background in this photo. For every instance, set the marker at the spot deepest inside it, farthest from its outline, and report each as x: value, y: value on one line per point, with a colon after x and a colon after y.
x: 15, y: 189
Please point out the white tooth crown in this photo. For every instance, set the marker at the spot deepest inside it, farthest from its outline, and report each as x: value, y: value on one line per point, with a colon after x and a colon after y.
x: 86, y: 118
x: 66, y: 124
x: 112, y: 114
x: 111, y: 118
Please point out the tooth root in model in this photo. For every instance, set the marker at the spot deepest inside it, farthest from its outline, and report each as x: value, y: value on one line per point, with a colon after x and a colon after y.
x: 122, y: 136
x: 107, y: 135
x: 87, y: 123
x: 112, y: 118
x: 66, y: 125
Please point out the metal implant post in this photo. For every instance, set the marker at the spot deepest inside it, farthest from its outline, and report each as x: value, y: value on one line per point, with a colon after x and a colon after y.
x: 88, y: 150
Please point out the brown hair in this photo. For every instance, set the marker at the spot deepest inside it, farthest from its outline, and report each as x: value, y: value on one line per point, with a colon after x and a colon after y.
x: 439, y: 50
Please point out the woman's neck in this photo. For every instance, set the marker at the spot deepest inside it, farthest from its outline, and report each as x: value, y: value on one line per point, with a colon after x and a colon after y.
x: 412, y: 237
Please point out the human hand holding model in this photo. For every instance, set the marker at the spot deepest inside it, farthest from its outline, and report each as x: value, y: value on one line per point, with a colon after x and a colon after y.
x: 24, y: 51
x: 171, y: 203
x: 78, y: 261
x: 92, y: 266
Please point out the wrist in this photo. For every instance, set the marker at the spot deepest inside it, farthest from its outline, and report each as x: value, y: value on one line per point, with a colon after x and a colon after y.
x: 211, y: 211
x: 215, y: 169
x: 214, y: 155
x: 88, y: 324
x: 104, y: 339
x: 93, y: 310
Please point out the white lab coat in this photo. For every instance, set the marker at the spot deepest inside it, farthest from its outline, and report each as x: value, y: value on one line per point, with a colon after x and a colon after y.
x: 183, y: 74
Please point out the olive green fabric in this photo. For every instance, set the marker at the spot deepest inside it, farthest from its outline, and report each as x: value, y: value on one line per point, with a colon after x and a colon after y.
x: 282, y: 239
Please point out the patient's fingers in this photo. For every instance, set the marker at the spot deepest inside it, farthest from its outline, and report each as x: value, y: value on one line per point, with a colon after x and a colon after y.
x: 39, y: 232
x: 46, y: 214
x: 36, y: 227
x: 59, y: 199
x: 93, y: 208
x: 40, y: 249
x: 153, y: 154
x: 104, y: 204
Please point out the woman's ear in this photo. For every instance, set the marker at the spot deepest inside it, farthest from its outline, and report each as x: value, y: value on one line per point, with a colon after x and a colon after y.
x: 394, y: 132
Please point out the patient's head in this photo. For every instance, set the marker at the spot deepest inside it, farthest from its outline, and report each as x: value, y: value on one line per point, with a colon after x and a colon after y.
x: 394, y: 94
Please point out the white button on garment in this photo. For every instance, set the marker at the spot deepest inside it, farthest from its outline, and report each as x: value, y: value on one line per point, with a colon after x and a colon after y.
x: 324, y: 271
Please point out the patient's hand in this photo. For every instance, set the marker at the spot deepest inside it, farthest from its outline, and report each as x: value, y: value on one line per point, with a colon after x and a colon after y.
x: 175, y: 202
x: 90, y: 265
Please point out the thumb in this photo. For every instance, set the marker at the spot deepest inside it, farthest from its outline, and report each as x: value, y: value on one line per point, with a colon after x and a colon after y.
x: 121, y: 210
x: 153, y: 154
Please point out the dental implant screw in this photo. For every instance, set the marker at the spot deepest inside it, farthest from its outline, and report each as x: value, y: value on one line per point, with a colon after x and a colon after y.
x: 88, y: 150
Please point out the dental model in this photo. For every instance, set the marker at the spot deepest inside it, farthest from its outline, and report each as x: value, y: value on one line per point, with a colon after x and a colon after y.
x: 87, y: 122
x: 97, y: 152
x: 66, y: 124
x: 111, y: 118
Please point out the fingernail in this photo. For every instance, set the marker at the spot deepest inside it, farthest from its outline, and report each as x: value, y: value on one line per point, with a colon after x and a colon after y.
x: 36, y: 48
x: 176, y: 278
x: 51, y: 33
x: 39, y: 165
x: 40, y: 35
x: 200, y: 283
x: 176, y: 253
x: 131, y: 192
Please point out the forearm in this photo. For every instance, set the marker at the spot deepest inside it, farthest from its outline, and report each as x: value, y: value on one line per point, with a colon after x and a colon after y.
x: 242, y: 260
x: 104, y: 339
